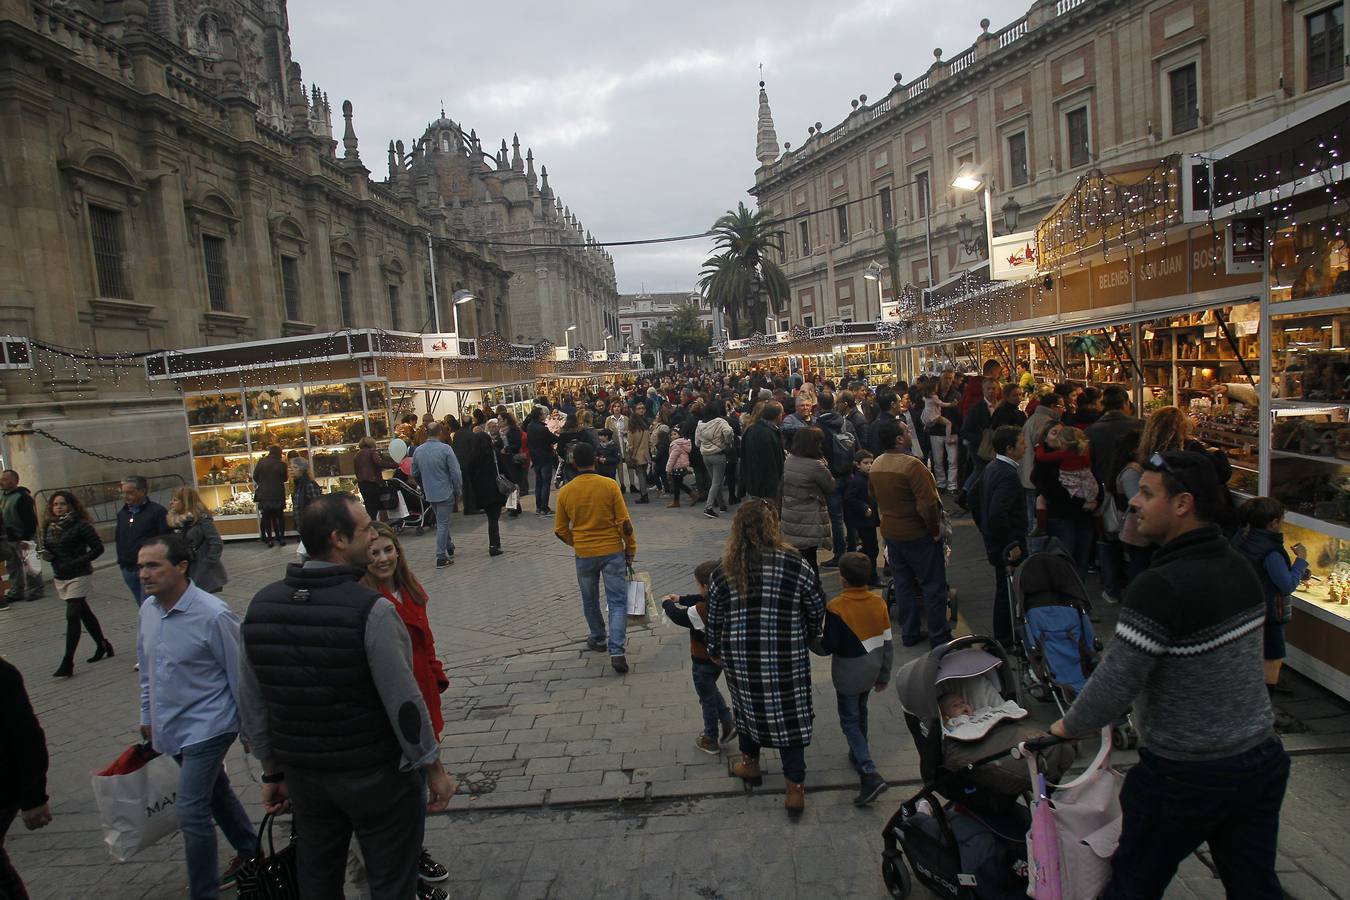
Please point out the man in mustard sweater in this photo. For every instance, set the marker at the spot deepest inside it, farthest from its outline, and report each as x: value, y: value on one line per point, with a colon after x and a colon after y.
x: 593, y: 520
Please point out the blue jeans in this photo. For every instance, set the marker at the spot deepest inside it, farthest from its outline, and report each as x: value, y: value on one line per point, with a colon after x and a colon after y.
x: 1077, y: 535
x: 1171, y: 807
x: 445, y: 545
x: 205, y: 799
x: 792, y: 758
x: 853, y: 722
x: 543, y: 483
x: 920, y: 575
x: 590, y: 569
x: 715, y: 710
x: 834, y: 502
x: 1031, y: 510
x: 132, y: 577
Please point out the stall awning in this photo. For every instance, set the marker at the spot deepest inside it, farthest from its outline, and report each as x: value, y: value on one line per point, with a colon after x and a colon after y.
x: 960, y: 285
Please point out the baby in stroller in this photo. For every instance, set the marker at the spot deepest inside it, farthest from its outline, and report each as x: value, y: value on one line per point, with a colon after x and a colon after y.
x: 964, y: 833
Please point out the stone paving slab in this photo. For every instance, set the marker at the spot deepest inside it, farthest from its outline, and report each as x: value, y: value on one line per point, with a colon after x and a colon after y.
x: 544, y: 735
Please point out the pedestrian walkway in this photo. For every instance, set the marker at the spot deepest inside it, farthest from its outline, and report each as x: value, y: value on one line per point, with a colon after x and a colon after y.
x: 578, y: 782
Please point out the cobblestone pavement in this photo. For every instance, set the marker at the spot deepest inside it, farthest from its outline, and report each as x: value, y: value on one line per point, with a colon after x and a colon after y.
x: 576, y: 781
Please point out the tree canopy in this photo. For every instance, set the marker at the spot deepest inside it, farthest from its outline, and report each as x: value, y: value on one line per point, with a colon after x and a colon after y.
x: 683, y: 335
x: 740, y: 279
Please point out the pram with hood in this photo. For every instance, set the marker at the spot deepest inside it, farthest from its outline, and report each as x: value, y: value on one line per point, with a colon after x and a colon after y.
x: 1054, y: 643
x: 961, y: 838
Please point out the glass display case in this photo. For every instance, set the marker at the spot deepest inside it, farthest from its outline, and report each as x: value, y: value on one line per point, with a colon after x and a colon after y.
x: 1202, y: 359
x: 1310, y: 258
x: 229, y: 431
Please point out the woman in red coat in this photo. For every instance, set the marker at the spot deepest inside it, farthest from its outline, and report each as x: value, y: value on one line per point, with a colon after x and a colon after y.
x: 389, y: 574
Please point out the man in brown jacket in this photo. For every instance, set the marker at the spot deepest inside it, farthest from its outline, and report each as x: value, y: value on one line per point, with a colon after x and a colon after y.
x: 905, y: 495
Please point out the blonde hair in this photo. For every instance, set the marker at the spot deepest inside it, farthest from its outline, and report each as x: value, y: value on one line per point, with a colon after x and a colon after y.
x: 1167, y: 429
x: 1074, y: 439
x: 754, y: 532
x: 191, y: 502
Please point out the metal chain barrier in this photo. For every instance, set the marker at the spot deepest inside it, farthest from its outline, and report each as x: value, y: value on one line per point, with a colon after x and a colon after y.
x: 104, y: 456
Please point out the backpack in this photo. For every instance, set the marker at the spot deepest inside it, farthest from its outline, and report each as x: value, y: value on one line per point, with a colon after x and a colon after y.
x: 842, y: 447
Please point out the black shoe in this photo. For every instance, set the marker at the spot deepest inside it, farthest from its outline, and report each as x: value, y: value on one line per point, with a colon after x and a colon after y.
x: 495, y: 551
x: 443, y: 562
x: 724, y: 507
x: 65, y: 670
x: 513, y: 513
x: 105, y: 650
x: 831, y: 563
x: 960, y: 498
x: 620, y: 664
x: 270, y: 543
x: 869, y: 789
x: 710, y: 513
x: 597, y: 646
x: 4, y: 605
x: 281, y: 542
x: 430, y: 891
x: 430, y: 870
x: 644, y: 499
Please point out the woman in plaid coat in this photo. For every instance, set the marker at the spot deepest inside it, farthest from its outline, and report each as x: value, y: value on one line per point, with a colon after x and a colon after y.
x: 764, y: 607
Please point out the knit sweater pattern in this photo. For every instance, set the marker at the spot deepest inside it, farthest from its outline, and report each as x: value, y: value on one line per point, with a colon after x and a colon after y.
x: 1187, y: 653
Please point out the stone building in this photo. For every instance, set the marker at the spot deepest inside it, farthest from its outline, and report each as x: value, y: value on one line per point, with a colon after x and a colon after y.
x: 643, y: 311
x: 1069, y: 87
x: 167, y: 180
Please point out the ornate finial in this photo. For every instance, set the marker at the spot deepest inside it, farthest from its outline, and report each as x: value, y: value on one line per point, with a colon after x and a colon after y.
x: 517, y: 164
x: 442, y: 109
x: 529, y: 165
x: 544, y: 190
x: 349, y: 133
x: 393, y: 161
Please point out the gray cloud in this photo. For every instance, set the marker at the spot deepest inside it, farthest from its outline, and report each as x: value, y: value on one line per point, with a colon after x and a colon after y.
x: 644, y: 113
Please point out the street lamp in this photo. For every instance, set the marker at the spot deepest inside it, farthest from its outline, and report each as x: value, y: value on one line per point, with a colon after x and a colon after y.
x: 608, y: 337
x: 458, y: 299
x: 873, y: 273
x: 968, y: 178
x: 567, y: 337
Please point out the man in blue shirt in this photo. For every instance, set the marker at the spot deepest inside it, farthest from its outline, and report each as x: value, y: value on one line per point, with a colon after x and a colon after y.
x: 188, y: 650
x: 436, y: 468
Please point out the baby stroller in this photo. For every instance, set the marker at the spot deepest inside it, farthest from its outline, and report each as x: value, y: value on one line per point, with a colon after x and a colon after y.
x: 960, y: 838
x: 1055, y: 645
x: 420, y: 513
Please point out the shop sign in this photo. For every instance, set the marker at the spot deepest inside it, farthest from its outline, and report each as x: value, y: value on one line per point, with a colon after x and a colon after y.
x: 1012, y: 256
x: 599, y: 356
x: 1112, y: 284
x: 1209, y: 265
x: 1162, y: 272
x: 890, y: 312
x: 1245, y: 245
x: 439, y: 345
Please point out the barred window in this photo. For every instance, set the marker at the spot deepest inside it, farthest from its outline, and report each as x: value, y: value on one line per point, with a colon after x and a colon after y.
x: 105, y: 226
x: 213, y: 253
x: 290, y: 287
x: 345, y: 311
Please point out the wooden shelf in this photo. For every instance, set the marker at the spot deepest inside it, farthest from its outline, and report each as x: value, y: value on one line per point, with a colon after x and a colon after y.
x: 1290, y: 454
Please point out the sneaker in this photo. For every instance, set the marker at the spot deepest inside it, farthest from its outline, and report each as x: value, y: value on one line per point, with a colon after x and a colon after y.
x: 430, y: 891
x: 1110, y: 599
x: 231, y: 873
x: 710, y: 513
x: 444, y: 562
x: 430, y: 870
x: 707, y: 744
x: 620, y: 664
x: 728, y: 731
x: 598, y: 646
x: 870, y: 787
x: 4, y: 605
x: 831, y: 563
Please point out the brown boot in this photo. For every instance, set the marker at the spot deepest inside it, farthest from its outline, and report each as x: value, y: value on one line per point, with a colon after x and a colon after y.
x: 674, y: 504
x: 794, y: 801
x: 747, y: 769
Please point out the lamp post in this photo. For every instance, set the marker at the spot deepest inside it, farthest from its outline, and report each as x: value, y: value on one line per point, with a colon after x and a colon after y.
x: 435, y: 303
x: 458, y: 299
x: 873, y: 273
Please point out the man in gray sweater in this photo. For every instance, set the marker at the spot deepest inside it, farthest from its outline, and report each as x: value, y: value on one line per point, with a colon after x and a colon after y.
x: 1187, y: 654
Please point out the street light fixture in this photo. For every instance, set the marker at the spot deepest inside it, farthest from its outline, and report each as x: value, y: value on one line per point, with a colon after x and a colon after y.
x: 567, y: 337
x: 873, y: 273
x: 968, y: 178
x: 458, y: 299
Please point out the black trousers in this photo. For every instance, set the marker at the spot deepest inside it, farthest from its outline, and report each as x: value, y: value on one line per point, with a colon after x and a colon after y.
x: 273, y: 521
x: 867, y: 538
x: 370, y: 498
x: 79, y: 614
x: 11, y: 885
x: 386, y: 810
x: 494, y: 515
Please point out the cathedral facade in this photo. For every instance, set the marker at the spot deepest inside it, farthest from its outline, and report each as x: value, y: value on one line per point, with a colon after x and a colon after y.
x: 168, y: 180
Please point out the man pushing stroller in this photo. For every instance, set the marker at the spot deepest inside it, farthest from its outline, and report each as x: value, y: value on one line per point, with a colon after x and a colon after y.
x: 1188, y: 653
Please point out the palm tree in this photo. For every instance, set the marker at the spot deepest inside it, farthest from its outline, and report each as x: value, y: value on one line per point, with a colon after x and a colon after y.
x: 740, y: 278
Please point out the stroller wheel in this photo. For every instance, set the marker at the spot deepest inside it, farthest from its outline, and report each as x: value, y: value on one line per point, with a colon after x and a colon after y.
x: 1040, y: 691
x: 1120, y: 738
x: 896, y: 875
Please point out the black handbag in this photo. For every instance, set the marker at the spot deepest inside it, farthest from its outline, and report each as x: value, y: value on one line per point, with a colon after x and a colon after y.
x: 269, y: 876
x: 505, y: 486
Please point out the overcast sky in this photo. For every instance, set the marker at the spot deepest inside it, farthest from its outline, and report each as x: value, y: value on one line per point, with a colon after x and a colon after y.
x: 644, y: 113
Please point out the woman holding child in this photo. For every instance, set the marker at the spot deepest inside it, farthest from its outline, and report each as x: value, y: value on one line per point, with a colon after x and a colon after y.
x: 1068, y: 493
x: 764, y: 606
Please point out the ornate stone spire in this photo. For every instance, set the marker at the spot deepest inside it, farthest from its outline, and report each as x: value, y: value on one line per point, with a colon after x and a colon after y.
x: 766, y: 139
x: 517, y: 164
x: 530, y: 178
x: 349, y: 134
x: 544, y: 190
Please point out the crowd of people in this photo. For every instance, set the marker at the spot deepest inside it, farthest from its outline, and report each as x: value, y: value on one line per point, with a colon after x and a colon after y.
x: 331, y: 677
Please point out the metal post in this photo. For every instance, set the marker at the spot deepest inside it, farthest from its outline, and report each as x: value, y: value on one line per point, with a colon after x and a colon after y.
x: 989, y: 227
x: 436, y: 303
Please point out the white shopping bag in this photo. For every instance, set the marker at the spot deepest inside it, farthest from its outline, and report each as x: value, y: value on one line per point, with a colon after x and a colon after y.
x: 639, y: 590
x: 399, y: 512
x: 32, y: 563
x: 513, y: 501
x: 137, y: 809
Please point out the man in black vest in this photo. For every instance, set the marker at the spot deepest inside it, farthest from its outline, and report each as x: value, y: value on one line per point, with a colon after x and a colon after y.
x: 331, y: 709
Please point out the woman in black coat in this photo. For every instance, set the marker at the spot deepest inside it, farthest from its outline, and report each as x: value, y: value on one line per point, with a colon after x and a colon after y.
x: 460, y: 442
x: 480, y: 479
x: 71, y: 545
x: 510, y: 443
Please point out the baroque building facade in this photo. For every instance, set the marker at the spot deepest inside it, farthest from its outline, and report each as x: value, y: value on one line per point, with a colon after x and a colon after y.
x: 641, y: 312
x: 1070, y: 87
x: 167, y: 180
